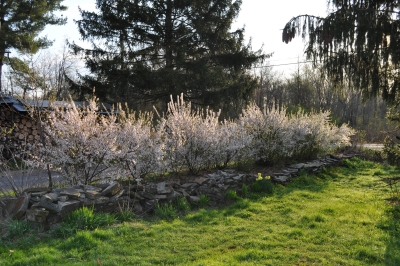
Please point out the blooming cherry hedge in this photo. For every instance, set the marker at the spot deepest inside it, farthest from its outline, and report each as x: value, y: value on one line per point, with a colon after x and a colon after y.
x: 90, y: 147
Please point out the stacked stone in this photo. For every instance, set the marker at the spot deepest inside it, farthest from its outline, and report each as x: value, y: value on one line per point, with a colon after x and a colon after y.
x: 42, y: 205
x: 294, y: 170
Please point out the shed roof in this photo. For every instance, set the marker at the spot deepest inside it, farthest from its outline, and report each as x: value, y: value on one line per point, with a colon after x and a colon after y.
x: 22, y: 106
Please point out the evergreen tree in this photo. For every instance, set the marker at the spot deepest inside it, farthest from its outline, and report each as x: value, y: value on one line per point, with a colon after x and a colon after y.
x: 358, y: 42
x: 145, y: 51
x: 21, y: 21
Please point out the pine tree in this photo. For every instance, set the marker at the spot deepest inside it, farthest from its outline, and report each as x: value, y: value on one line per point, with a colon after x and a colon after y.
x: 145, y: 51
x: 358, y: 43
x: 21, y: 21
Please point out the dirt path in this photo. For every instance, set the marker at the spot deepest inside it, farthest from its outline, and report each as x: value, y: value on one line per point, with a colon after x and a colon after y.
x: 26, y: 178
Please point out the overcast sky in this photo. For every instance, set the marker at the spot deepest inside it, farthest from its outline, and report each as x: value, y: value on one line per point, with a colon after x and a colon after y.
x: 263, y: 20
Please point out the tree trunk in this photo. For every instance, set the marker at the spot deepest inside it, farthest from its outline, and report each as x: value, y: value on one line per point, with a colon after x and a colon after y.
x: 168, y: 35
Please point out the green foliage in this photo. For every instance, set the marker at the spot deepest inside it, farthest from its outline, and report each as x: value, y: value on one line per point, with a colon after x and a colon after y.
x: 355, y: 42
x: 16, y: 228
x: 330, y: 221
x: 203, y: 202
x: 391, y: 152
x: 165, y: 211
x: 201, y: 55
x: 182, y: 205
x: 231, y: 195
x: 263, y: 186
x: 125, y: 216
x: 21, y: 23
x: 83, y: 219
x: 357, y: 163
x: 245, y: 190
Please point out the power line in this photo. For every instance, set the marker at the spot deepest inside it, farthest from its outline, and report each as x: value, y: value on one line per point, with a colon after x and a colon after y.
x: 284, y: 64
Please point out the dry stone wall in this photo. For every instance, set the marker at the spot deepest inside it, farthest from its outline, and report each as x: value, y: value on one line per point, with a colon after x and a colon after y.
x: 47, y: 207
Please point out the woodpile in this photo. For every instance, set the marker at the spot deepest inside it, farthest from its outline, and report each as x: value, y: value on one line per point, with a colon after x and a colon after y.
x: 18, y: 131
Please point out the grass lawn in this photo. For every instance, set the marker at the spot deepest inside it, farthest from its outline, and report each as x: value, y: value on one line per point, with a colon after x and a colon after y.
x: 338, y: 217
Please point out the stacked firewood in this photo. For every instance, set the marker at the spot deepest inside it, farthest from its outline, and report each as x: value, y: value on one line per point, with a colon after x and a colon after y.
x: 18, y: 132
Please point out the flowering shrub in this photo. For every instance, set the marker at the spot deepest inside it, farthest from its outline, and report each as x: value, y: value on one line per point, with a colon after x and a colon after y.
x: 320, y: 135
x: 271, y: 139
x: 189, y: 138
x: 80, y: 142
x: 278, y: 136
x: 138, y: 144
x: 234, y: 144
x: 89, y: 147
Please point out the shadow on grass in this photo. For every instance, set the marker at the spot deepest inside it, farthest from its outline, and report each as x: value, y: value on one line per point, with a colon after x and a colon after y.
x: 308, y: 182
x: 392, y: 227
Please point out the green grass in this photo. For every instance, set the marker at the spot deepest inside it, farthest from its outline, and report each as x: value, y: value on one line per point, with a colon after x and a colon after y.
x: 338, y: 217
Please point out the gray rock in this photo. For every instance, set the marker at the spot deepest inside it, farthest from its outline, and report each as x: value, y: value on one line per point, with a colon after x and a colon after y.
x: 146, y: 195
x: 38, y: 215
x: 149, y: 205
x: 35, y: 199
x: 102, y: 200
x: 63, y: 198
x: 38, y: 194
x: 189, y: 185
x: 50, y: 197
x: 68, y: 206
x: 116, y: 196
x: 92, y: 194
x: 70, y: 192
x: 173, y: 195
x: 162, y: 189
x: 194, y: 199
x: 314, y: 164
x: 282, y: 179
x: 184, y: 192
x: 136, y: 195
x: 212, y: 176
x: 237, y: 177
x: 137, y: 208
x: 160, y: 197
x: 112, y: 189
x: 229, y: 181
x: 50, y: 206
x: 92, y: 188
x: 88, y: 202
x: 201, y: 180
x: 298, y: 166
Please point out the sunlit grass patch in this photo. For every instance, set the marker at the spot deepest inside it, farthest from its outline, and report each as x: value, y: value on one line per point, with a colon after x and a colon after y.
x: 339, y: 217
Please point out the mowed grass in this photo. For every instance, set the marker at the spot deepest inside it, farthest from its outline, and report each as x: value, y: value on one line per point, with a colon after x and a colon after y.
x: 338, y: 217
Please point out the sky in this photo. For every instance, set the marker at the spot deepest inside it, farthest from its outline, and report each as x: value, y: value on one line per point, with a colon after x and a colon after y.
x: 263, y: 21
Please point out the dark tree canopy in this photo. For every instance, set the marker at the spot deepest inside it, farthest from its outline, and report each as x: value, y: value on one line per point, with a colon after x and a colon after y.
x: 21, y: 22
x: 357, y: 42
x: 144, y: 51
